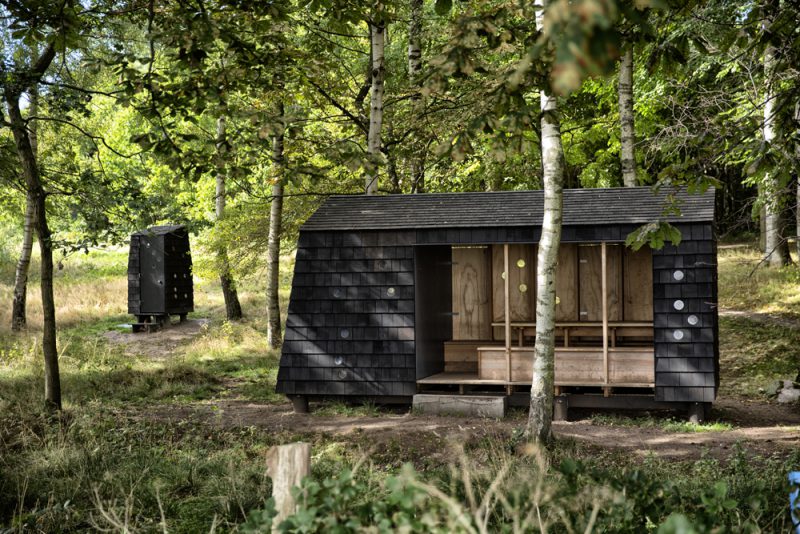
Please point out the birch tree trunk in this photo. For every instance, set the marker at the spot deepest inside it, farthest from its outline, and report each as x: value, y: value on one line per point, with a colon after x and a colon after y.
x: 20, y: 295
x: 33, y: 183
x: 541, y: 407
x: 274, y: 239
x: 626, y: 118
x: 377, y: 32
x: 776, y: 249
x: 797, y: 186
x: 233, y: 308
x: 414, y: 69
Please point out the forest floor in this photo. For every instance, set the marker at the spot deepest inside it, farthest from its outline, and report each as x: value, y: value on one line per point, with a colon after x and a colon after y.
x: 178, y: 422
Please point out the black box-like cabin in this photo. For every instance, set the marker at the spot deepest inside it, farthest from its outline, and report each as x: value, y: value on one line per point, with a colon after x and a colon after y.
x: 160, y: 275
x: 393, y: 295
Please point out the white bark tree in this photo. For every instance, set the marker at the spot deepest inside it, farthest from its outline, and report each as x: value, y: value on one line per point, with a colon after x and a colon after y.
x: 414, y: 70
x: 626, y: 118
x: 233, y: 309
x: 377, y: 30
x: 776, y: 249
x: 20, y: 296
x: 541, y: 406
x: 274, y: 238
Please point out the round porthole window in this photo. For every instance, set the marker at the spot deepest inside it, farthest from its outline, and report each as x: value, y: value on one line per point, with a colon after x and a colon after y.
x: 391, y: 291
x: 520, y: 263
x: 678, y: 275
x: 342, y: 374
x: 692, y: 320
x: 344, y: 333
x: 338, y: 360
x: 337, y: 293
x: 523, y: 288
x: 678, y: 334
x: 503, y: 275
x: 678, y: 305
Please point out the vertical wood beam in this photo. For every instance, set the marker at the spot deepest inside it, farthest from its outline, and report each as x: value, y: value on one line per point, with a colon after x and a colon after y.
x: 507, y: 310
x: 604, y: 289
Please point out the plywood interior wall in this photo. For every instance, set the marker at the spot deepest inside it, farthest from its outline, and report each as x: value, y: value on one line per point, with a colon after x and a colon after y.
x: 471, y: 293
x: 567, y: 283
x: 522, y: 282
x: 478, y: 286
x: 590, y: 288
x: 637, y: 277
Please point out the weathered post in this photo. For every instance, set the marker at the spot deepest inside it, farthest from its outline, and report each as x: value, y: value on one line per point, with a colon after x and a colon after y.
x: 286, y: 466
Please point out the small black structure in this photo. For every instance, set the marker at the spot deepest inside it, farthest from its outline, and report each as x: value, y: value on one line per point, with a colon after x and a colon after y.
x: 159, y: 276
x: 400, y: 294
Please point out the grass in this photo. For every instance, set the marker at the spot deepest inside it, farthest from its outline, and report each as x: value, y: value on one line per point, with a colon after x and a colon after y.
x: 110, y: 462
x: 668, y: 424
x: 747, y: 285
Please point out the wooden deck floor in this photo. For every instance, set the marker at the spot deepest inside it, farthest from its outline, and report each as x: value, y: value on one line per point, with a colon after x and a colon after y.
x: 471, y: 379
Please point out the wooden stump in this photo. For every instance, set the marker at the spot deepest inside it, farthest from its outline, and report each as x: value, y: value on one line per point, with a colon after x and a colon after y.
x: 286, y: 466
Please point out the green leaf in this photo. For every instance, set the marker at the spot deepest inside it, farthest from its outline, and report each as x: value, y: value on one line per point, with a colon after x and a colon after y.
x: 443, y: 7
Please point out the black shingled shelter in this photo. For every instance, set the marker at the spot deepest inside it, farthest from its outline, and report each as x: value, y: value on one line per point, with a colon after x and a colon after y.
x: 159, y: 276
x: 393, y: 295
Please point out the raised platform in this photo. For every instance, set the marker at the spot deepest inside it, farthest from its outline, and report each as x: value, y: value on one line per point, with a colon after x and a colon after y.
x: 490, y: 406
x: 473, y: 379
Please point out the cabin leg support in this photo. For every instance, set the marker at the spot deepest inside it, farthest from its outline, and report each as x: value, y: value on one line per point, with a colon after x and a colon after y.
x: 560, y: 408
x: 299, y: 403
x: 698, y: 412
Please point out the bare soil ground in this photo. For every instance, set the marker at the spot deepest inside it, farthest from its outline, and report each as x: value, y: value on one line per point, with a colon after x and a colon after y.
x: 158, y: 345
x: 760, y: 427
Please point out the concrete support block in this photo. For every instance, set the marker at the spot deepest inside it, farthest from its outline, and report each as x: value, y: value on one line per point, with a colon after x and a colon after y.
x: 474, y: 405
x: 299, y: 403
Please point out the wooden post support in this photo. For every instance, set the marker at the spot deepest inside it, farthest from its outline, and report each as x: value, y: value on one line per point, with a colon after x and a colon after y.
x: 507, y: 310
x: 286, y: 466
x: 604, y: 289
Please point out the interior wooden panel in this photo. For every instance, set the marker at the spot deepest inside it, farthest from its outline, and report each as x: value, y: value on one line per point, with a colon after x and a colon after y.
x: 590, y: 273
x: 471, y: 292
x: 522, y: 303
x: 462, y: 356
x: 493, y: 365
x: 576, y: 366
x: 567, y: 283
x: 637, y: 276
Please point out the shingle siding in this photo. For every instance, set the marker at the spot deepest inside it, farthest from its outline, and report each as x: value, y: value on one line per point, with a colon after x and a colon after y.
x: 347, y: 335
x: 687, y: 355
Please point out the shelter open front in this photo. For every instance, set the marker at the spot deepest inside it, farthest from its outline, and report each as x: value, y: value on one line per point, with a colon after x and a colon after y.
x: 604, y: 316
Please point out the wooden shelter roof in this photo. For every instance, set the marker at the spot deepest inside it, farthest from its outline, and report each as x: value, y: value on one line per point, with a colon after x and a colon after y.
x: 622, y: 205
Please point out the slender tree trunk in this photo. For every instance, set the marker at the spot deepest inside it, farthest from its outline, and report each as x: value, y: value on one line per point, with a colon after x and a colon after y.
x: 797, y: 186
x: 776, y: 248
x: 274, y: 240
x: 18, y: 308
x: 626, y: 118
x: 233, y: 308
x: 414, y: 69
x: 52, y: 381
x: 377, y: 32
x: 541, y: 407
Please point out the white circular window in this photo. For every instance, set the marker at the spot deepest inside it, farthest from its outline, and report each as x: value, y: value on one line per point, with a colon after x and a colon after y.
x: 678, y: 334
x: 338, y: 360
x: 344, y: 333
x: 337, y: 293
x: 678, y: 305
x: 692, y: 320
x: 503, y: 275
x: 520, y: 263
x: 523, y: 288
x: 342, y: 373
x: 678, y: 275
x: 391, y: 291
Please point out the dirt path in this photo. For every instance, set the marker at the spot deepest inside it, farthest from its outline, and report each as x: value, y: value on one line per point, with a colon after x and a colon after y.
x: 158, y: 345
x: 762, y: 318
x: 760, y: 428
